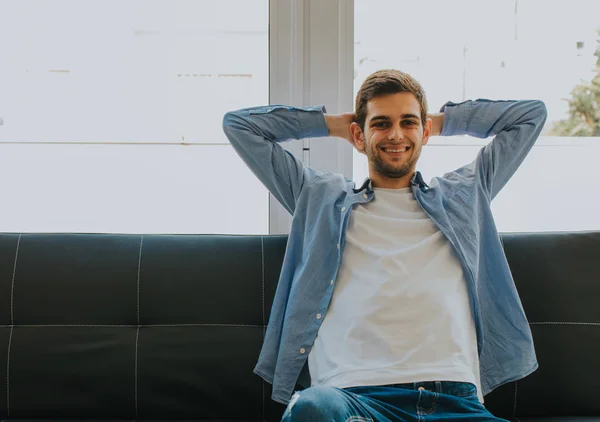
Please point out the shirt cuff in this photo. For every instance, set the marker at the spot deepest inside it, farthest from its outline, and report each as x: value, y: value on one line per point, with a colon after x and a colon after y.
x: 455, y: 118
x: 312, y: 121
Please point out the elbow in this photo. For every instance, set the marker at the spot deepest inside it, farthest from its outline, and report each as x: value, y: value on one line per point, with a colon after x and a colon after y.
x: 542, y: 107
x: 534, y: 113
x: 229, y: 120
x: 235, y: 121
x: 541, y: 110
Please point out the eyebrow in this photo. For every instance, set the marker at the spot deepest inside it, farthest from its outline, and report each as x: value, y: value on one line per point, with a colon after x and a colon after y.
x: 404, y: 116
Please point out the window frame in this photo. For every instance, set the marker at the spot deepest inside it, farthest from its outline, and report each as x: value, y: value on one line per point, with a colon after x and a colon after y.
x: 311, y: 63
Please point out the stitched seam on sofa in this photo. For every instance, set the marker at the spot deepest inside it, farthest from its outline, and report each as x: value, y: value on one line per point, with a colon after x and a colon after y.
x: 564, y: 323
x: 228, y: 325
x: 138, y: 279
x: 137, y: 336
x: 130, y: 326
x: 262, y: 260
x: 137, y: 333
x: 12, y: 326
x: 262, y: 247
x: 515, y: 402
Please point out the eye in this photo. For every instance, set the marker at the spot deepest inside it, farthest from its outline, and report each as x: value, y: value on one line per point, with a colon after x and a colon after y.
x: 379, y: 124
x: 409, y: 122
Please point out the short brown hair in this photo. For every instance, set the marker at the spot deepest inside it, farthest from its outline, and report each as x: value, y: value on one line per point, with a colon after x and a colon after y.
x: 388, y: 81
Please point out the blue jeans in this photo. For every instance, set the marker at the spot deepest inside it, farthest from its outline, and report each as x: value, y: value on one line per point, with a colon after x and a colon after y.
x: 421, y: 401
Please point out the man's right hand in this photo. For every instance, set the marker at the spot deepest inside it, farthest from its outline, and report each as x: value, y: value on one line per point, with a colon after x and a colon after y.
x: 339, y: 125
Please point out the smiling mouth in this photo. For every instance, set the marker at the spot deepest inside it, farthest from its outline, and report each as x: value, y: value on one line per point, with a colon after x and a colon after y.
x: 396, y: 150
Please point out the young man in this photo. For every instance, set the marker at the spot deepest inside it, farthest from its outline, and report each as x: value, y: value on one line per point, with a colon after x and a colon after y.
x: 395, y: 300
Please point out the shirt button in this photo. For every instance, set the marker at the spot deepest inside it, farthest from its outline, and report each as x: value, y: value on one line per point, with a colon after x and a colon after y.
x: 303, y: 350
x: 331, y: 282
x: 343, y: 209
x: 338, y: 245
x: 319, y: 316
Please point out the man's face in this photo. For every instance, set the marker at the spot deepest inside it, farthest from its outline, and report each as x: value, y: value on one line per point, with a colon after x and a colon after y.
x: 394, y: 135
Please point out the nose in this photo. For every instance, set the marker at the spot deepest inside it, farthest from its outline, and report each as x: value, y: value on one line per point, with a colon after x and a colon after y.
x: 396, y: 133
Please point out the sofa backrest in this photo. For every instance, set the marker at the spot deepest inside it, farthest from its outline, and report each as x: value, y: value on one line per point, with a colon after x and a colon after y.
x: 558, y: 279
x: 170, y: 326
x: 135, y: 327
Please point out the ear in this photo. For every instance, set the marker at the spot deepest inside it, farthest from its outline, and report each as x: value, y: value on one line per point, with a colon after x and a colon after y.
x: 427, y: 130
x: 358, y: 137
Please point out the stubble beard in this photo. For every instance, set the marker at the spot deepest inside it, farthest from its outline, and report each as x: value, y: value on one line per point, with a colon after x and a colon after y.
x: 392, y: 171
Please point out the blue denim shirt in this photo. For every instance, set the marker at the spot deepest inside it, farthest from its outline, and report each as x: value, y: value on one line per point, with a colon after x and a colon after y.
x: 321, y: 203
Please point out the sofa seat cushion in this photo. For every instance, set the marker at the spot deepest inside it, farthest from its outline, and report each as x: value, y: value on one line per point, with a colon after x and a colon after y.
x: 130, y: 420
x: 560, y: 419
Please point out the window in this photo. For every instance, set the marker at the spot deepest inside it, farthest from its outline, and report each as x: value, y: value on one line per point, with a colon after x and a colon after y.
x: 111, y: 115
x: 498, y: 49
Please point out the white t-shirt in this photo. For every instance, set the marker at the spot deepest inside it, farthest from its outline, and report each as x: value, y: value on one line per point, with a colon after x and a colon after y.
x: 400, y: 310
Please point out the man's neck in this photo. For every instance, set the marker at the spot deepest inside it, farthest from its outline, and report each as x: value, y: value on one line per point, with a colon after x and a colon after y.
x: 380, y: 181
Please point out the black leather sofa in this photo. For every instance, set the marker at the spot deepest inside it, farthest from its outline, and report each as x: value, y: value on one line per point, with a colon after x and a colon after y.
x: 155, y: 327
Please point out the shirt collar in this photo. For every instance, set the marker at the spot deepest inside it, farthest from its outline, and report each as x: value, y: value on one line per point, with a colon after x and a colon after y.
x: 416, y: 179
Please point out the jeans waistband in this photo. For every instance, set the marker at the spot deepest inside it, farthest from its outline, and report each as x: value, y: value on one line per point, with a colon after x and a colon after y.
x: 460, y: 389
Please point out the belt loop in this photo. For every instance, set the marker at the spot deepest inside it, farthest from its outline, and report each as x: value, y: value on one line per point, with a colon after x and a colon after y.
x: 438, y: 387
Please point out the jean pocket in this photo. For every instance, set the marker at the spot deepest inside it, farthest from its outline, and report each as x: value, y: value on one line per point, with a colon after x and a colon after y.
x: 459, y: 389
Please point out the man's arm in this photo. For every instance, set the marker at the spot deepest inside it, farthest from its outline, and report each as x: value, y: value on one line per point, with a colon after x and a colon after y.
x: 255, y: 133
x: 437, y: 123
x: 516, y: 126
